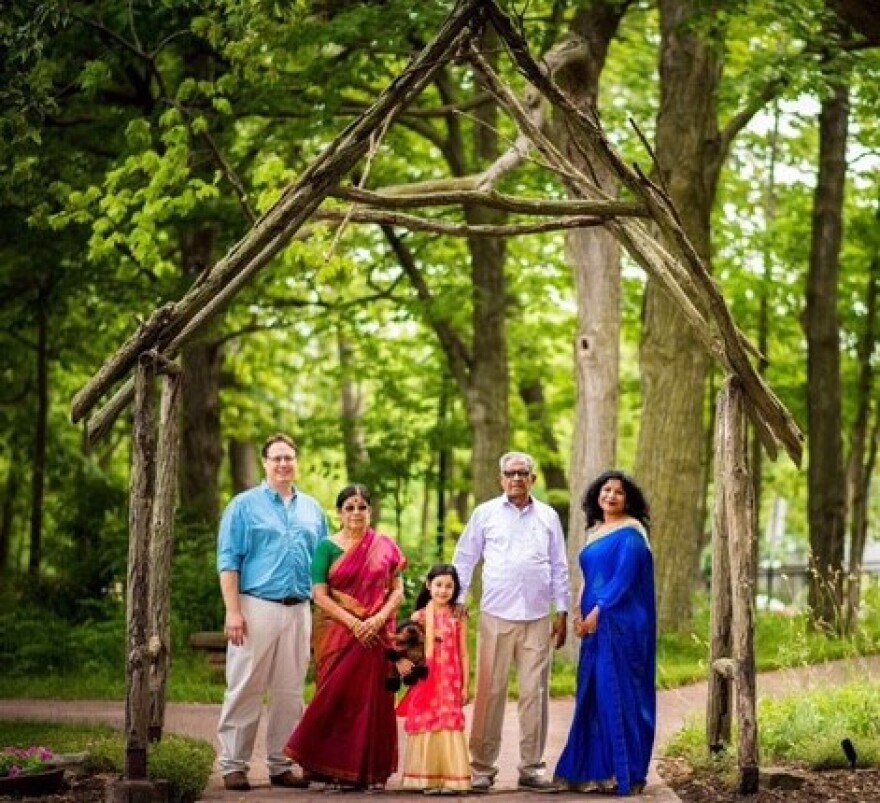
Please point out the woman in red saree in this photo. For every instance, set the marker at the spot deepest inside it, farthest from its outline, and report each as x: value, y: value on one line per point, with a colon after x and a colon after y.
x: 348, y: 735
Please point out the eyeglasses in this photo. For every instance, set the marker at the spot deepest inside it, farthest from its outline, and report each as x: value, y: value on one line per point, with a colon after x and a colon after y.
x: 282, y: 458
x: 352, y: 508
x: 517, y: 472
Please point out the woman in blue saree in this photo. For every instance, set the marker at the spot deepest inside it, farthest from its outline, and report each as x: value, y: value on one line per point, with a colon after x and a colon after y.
x: 612, y: 733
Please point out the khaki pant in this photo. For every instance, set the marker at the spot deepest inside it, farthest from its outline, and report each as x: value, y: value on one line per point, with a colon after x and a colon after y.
x: 273, y: 659
x: 501, y: 643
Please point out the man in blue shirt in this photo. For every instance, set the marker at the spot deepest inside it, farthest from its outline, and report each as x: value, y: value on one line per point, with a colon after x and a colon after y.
x: 264, y: 556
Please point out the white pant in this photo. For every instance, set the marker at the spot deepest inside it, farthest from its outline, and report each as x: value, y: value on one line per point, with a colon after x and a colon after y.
x: 273, y: 659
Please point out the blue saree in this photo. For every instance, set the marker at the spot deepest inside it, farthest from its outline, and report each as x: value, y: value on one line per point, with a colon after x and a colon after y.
x: 612, y: 732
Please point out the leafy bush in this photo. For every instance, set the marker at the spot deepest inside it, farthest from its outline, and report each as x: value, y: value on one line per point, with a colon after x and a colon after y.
x: 185, y: 763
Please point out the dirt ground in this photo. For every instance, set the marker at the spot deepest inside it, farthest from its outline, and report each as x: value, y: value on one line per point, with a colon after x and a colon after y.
x: 860, y: 786
x: 838, y: 786
x: 76, y: 789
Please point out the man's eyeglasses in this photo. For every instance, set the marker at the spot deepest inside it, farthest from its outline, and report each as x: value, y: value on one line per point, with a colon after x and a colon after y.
x: 517, y: 472
x: 352, y: 508
x: 282, y: 458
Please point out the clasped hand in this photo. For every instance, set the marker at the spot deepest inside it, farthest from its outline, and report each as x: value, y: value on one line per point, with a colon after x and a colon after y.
x: 367, y: 630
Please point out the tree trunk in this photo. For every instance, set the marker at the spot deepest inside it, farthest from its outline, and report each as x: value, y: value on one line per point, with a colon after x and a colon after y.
x: 863, y: 451
x: 38, y: 462
x: 444, y: 464
x: 594, y: 257
x: 763, y: 334
x: 487, y: 394
x: 201, y: 440
x: 353, y: 439
x: 531, y: 391
x: 826, y: 475
x: 7, y: 509
x: 243, y: 465
x: 670, y: 454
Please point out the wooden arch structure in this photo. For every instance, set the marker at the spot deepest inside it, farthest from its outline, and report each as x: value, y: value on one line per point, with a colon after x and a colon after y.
x: 663, y: 250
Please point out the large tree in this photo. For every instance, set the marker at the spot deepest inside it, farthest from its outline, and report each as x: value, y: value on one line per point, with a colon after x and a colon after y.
x: 827, y: 479
x: 670, y: 461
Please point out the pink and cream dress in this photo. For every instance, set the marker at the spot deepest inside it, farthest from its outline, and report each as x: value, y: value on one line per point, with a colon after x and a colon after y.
x: 436, y: 750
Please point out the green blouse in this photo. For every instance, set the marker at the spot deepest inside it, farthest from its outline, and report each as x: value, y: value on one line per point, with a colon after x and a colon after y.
x: 325, y: 554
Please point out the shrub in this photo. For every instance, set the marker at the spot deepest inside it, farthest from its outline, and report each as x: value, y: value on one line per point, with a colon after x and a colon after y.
x: 185, y: 763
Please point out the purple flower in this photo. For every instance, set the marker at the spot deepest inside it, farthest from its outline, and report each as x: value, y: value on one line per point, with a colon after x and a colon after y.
x: 15, y: 761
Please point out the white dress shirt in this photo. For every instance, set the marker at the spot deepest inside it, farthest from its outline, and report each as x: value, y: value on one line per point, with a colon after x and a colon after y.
x: 525, y: 569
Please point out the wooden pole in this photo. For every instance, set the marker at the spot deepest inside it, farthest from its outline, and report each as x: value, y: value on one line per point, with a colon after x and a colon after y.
x: 161, y: 548
x: 739, y: 506
x: 140, y: 520
x: 719, y: 704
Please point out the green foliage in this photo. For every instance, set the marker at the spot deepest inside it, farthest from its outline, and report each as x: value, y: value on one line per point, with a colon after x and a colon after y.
x: 127, y: 130
x: 35, y: 641
x: 45, y: 655
x: 183, y: 762
x: 781, y: 640
x: 800, y: 728
x: 196, y: 602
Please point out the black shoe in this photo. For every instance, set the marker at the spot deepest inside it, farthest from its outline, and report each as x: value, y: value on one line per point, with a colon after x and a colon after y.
x: 236, y: 782
x: 288, y: 780
x: 536, y: 783
x: 481, y: 784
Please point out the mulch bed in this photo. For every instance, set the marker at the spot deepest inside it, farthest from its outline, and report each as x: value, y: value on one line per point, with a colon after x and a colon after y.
x: 832, y: 786
x: 76, y: 789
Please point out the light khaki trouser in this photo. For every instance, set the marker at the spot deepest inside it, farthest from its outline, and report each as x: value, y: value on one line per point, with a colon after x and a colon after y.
x: 501, y: 643
x: 273, y: 659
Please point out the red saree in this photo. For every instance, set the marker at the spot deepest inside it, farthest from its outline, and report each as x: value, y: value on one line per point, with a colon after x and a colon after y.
x: 349, y: 732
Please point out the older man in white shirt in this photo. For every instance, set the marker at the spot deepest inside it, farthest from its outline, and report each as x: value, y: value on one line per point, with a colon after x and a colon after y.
x: 525, y: 577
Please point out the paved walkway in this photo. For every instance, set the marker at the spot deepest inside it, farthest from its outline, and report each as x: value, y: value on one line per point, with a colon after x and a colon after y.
x: 674, y: 708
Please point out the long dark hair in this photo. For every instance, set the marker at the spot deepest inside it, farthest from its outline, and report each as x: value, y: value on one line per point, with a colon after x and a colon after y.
x: 636, y: 504
x: 438, y: 570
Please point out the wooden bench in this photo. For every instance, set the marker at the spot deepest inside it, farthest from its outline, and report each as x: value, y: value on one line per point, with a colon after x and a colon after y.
x: 213, y: 644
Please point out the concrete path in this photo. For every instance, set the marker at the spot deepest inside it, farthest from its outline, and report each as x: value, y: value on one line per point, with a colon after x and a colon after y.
x: 674, y: 709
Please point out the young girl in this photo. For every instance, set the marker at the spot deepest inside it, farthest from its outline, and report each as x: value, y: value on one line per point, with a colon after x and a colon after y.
x: 436, y: 752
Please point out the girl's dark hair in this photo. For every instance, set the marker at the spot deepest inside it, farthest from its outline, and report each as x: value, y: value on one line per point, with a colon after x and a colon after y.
x: 352, y: 490
x: 636, y: 504
x: 438, y: 570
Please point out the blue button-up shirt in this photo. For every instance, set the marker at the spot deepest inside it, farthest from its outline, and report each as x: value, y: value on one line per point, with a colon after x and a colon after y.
x: 525, y: 569
x: 269, y: 543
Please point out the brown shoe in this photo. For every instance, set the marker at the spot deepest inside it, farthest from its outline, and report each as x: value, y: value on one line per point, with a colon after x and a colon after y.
x: 236, y: 782
x: 288, y: 780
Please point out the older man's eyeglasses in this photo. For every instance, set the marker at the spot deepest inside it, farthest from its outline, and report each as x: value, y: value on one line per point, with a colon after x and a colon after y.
x: 520, y: 473
x: 281, y: 458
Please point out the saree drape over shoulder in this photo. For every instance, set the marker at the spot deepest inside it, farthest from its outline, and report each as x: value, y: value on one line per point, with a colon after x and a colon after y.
x: 349, y: 733
x: 612, y: 732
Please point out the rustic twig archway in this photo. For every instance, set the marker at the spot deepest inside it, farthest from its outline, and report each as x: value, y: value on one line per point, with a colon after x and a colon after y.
x: 673, y: 261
